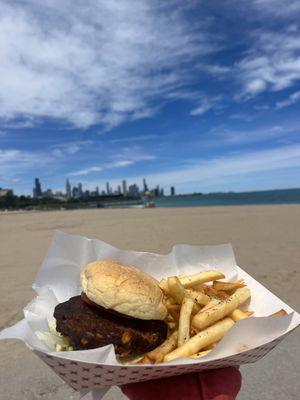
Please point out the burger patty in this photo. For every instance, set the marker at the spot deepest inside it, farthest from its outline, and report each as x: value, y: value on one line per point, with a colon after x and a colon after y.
x: 90, y: 327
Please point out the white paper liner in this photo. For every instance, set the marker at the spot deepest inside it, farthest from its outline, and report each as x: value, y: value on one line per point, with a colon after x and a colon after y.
x: 58, y: 280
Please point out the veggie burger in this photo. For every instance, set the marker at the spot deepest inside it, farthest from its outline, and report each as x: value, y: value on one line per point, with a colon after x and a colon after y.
x: 119, y: 305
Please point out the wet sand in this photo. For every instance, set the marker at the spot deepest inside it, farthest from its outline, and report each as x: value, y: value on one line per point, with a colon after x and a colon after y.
x: 265, y: 240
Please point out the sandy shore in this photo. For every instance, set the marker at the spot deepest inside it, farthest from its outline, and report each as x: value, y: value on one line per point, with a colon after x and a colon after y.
x: 265, y: 240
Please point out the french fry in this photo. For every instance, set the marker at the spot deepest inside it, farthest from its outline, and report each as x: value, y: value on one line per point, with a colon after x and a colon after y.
x: 238, y: 314
x: 211, y: 346
x: 166, y: 347
x: 205, y: 351
x: 207, y: 317
x: 198, y: 288
x: 199, y: 314
x: 202, y: 339
x: 279, y: 313
x: 163, y: 284
x: 173, y: 310
x: 169, y: 318
x: 169, y: 301
x: 175, y: 307
x: 228, y: 286
x: 193, y: 331
x: 201, y: 354
x: 185, y: 320
x: 201, y: 277
x: 199, y: 297
x: 172, y: 325
x: 134, y: 361
x: 213, y: 302
x: 214, y: 293
x: 177, y: 291
x: 145, y: 360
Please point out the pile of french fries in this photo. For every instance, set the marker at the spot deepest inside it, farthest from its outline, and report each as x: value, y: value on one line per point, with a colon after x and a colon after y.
x: 201, y: 310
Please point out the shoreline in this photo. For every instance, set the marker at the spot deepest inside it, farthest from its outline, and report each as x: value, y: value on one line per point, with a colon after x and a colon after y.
x: 213, y: 206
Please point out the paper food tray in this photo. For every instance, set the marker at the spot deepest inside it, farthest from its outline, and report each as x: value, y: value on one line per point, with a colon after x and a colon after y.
x: 58, y: 280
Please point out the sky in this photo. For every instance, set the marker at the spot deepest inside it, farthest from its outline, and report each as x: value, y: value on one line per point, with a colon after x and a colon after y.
x: 203, y: 96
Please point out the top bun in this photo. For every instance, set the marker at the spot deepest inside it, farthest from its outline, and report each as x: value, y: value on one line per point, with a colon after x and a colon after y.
x: 124, y: 289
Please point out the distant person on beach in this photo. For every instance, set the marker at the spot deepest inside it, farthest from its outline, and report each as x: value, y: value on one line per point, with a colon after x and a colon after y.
x: 218, y: 384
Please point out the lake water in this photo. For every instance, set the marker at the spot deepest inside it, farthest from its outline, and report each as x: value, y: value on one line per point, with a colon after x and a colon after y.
x: 286, y: 196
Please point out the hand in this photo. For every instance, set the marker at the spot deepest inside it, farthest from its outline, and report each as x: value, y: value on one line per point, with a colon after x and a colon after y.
x: 217, y: 384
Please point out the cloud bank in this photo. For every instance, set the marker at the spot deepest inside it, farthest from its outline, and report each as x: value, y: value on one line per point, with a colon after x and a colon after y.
x: 100, y: 62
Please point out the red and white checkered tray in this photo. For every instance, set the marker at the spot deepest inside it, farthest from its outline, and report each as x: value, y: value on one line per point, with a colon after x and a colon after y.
x: 88, y: 376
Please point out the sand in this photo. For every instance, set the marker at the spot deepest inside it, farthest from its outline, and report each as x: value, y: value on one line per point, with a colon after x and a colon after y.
x: 265, y: 239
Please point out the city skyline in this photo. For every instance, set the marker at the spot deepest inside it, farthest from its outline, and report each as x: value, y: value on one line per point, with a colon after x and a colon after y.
x: 77, y: 191
x: 180, y: 94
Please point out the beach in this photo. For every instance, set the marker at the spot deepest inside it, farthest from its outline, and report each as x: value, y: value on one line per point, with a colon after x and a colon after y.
x: 266, y: 244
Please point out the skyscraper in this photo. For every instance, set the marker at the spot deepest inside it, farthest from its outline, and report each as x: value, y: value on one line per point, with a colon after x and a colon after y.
x: 172, y: 192
x: 133, y: 190
x: 145, y: 187
x: 97, y: 191
x: 156, y: 191
x: 119, y: 189
x: 124, y: 186
x: 107, y: 188
x: 37, y: 190
x: 74, y: 192
x: 68, y: 189
x: 48, y: 193
x: 80, y: 192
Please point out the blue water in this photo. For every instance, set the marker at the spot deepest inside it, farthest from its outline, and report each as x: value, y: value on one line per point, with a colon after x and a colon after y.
x: 286, y: 196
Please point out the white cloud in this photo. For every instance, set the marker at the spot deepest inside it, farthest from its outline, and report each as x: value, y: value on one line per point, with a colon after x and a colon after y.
x: 140, y: 138
x: 73, y: 148
x: 133, y: 153
x: 216, y: 171
x: 86, y: 171
x: 292, y: 99
x: 222, y: 137
x: 278, y: 8
x: 122, y: 163
x: 70, y: 148
x: 214, y: 69
x: 14, y: 162
x: 262, y: 107
x: 100, y: 62
x: 10, y: 155
x: 233, y: 137
x: 243, y: 116
x: 116, y: 164
x: 206, y: 104
x: 22, y: 165
x: 273, y: 62
x: 255, y: 86
x: 29, y: 122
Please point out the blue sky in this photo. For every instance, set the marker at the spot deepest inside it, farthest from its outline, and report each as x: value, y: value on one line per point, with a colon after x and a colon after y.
x: 200, y: 95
